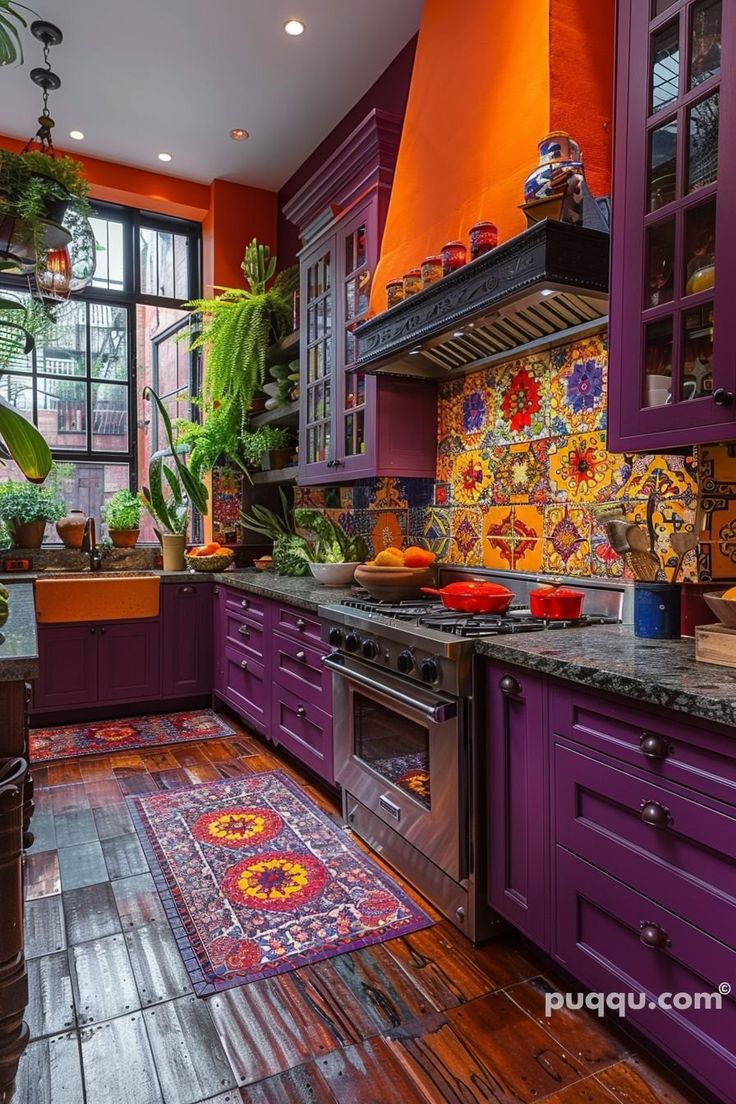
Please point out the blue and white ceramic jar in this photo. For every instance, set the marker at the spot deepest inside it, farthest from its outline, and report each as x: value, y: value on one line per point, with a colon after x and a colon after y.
x: 560, y: 171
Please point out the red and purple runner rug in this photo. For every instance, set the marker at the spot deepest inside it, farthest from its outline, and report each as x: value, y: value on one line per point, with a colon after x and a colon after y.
x: 99, y: 737
x: 257, y: 880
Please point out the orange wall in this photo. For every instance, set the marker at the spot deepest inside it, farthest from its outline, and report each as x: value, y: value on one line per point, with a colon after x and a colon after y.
x: 231, y: 214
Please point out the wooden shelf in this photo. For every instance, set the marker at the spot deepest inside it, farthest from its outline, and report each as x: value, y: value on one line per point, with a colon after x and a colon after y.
x: 280, y: 416
x: 280, y: 475
x: 284, y: 350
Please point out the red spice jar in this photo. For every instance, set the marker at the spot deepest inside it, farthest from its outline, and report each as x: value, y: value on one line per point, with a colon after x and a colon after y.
x: 412, y: 282
x: 483, y: 238
x: 431, y: 269
x: 394, y: 292
x: 454, y: 256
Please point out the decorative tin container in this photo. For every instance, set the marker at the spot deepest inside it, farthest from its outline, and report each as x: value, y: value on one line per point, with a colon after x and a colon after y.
x: 394, y: 292
x: 431, y: 270
x: 454, y: 256
x: 657, y: 610
x: 483, y: 237
x: 412, y: 282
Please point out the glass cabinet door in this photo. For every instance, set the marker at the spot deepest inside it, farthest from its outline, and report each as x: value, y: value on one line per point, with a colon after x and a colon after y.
x: 318, y: 352
x: 671, y: 329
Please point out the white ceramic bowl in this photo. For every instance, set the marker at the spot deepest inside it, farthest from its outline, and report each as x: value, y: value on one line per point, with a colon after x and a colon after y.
x: 333, y: 575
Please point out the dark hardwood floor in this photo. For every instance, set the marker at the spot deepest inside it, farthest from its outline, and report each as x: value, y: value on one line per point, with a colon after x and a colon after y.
x: 426, y: 1018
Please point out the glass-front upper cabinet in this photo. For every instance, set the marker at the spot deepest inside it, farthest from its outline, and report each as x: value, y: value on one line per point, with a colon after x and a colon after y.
x: 673, y: 323
x: 317, y: 296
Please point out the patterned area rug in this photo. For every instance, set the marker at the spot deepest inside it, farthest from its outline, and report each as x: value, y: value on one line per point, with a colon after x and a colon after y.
x: 66, y: 741
x: 257, y: 880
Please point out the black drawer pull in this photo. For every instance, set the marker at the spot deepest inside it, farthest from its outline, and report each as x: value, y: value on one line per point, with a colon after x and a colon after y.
x: 244, y: 664
x: 244, y: 630
x: 245, y: 603
x: 301, y: 656
x: 651, y: 935
x: 656, y: 815
x: 301, y: 623
x: 654, y: 746
x: 301, y: 711
x: 93, y: 631
x: 509, y: 685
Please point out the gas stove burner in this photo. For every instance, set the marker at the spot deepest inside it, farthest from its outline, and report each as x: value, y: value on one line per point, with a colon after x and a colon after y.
x: 408, y: 610
x: 479, y: 624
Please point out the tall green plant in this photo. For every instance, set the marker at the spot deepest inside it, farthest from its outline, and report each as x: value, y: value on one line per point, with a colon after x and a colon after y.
x: 171, y: 490
x: 20, y: 440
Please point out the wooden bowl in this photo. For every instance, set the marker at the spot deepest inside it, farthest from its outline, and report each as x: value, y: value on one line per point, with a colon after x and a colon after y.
x: 218, y: 562
x: 723, y: 608
x: 394, y: 584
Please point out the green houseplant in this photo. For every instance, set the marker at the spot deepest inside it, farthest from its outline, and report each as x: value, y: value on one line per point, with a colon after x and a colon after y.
x: 288, y: 547
x: 172, y: 489
x: 11, y: 47
x: 18, y: 438
x: 26, y: 509
x: 122, y: 515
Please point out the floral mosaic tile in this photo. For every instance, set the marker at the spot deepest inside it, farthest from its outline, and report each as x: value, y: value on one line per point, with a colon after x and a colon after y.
x: 447, y: 449
x: 388, y: 530
x: 471, y: 477
x: 578, y: 387
x: 717, y: 470
x: 669, y: 475
x: 604, y: 562
x: 522, y: 397
x: 346, y: 498
x: 512, y: 537
x: 519, y: 472
x: 388, y: 495
x: 437, y: 534
x: 567, y: 538
x: 466, y: 528
x: 311, y: 497
x: 416, y: 526
x: 442, y: 494
x: 580, y: 468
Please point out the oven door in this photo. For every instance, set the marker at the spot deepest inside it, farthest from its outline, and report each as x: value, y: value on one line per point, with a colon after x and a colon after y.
x: 398, y: 750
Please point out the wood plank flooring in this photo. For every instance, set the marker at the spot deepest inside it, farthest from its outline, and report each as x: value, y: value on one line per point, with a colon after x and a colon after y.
x: 425, y: 1019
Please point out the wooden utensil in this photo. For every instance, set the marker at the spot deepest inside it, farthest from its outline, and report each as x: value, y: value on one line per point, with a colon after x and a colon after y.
x: 644, y: 563
x: 659, y: 575
x: 682, y: 543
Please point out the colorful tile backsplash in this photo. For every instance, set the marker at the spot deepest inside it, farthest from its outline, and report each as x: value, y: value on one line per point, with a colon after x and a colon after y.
x: 522, y: 462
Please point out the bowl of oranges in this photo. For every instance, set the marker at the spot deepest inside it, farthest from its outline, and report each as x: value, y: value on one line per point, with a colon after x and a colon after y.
x: 209, y: 557
x: 724, y: 606
x: 395, y: 575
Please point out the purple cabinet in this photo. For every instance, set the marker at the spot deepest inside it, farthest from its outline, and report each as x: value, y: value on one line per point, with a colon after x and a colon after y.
x: 518, y: 825
x: 129, y: 661
x: 304, y: 729
x: 241, y: 631
x: 186, y: 639
x: 67, y: 663
x: 672, y: 372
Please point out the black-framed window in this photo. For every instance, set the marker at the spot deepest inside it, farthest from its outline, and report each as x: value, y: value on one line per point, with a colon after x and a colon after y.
x: 82, y: 385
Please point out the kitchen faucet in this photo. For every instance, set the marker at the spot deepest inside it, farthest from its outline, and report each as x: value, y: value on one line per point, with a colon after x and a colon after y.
x: 89, y: 545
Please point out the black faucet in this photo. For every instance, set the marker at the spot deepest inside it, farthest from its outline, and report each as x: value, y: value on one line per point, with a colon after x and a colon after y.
x: 89, y: 545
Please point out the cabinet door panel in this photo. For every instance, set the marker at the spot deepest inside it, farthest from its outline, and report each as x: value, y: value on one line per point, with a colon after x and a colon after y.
x: 186, y: 639
x: 246, y: 688
x: 129, y: 661
x: 304, y: 730
x: 67, y: 660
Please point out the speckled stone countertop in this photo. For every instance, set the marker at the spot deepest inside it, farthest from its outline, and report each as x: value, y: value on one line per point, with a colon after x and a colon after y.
x: 610, y: 657
x: 304, y: 593
x: 18, y: 645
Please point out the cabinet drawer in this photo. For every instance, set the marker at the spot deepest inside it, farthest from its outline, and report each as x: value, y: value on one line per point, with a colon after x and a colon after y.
x: 298, y: 668
x: 298, y: 624
x: 243, y: 635
x: 237, y: 601
x: 304, y: 730
x: 245, y: 688
x: 687, y: 861
x: 599, y: 929
x: 660, y: 743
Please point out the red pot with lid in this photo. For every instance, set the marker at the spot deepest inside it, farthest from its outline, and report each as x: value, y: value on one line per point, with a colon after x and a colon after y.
x: 556, y: 603
x: 473, y: 597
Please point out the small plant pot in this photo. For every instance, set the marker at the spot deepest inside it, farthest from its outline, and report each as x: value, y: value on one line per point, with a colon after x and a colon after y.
x: 29, y: 535
x: 124, y: 538
x: 276, y: 459
x: 258, y: 404
x: 174, y: 545
x: 71, y: 529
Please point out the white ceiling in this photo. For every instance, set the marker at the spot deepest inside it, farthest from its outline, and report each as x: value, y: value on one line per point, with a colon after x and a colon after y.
x: 140, y: 77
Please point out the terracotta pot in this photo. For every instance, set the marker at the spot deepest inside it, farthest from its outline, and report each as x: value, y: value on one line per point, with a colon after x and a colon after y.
x: 174, y: 545
x: 29, y: 535
x: 71, y: 529
x: 124, y: 538
x: 276, y: 459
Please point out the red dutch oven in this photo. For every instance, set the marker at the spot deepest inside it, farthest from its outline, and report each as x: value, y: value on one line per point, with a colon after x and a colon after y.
x: 473, y: 597
x: 556, y: 603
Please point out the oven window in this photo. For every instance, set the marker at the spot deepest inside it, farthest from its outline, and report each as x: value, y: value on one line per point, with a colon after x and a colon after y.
x: 393, y: 746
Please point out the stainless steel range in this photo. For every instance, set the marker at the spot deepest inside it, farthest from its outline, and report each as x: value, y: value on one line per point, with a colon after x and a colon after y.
x: 406, y: 727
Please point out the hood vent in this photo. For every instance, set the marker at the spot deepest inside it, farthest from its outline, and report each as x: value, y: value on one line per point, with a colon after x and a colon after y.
x: 542, y: 288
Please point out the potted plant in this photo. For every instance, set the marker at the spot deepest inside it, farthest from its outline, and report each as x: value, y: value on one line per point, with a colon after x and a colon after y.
x: 288, y: 546
x: 332, y: 555
x: 26, y: 509
x: 277, y: 447
x: 35, y: 190
x: 122, y: 515
x: 172, y: 489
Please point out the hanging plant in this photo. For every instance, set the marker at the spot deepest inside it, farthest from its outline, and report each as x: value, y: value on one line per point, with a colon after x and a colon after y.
x: 11, y: 47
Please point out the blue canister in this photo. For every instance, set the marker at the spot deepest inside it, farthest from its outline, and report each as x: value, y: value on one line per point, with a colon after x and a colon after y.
x: 657, y: 610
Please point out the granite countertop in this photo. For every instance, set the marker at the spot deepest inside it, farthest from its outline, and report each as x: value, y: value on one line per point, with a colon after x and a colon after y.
x: 305, y: 592
x: 18, y: 645
x: 611, y: 658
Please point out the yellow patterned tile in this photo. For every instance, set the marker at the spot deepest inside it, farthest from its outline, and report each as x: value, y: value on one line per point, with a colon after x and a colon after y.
x: 580, y: 468
x: 567, y: 537
x: 471, y: 477
x: 388, y: 531
x: 466, y: 527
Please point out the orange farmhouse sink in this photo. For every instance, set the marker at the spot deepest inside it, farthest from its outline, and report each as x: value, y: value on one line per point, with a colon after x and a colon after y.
x: 96, y: 598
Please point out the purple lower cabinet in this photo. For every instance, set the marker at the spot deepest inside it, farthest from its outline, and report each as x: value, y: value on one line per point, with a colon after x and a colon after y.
x: 303, y: 729
x: 67, y: 662
x: 129, y: 663
x: 518, y: 823
x: 616, y: 940
x: 186, y: 639
x: 245, y: 687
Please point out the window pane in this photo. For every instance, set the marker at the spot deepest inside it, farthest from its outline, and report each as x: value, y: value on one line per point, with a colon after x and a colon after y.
x: 658, y: 362
x: 660, y: 264
x: 665, y: 66
x: 703, y: 143
x: 164, y: 263
x: 662, y: 165
x: 64, y: 351
x: 697, y: 350
x: 109, y: 417
x: 700, y: 238
x: 108, y: 341
x: 12, y: 340
x: 62, y: 412
x: 705, y: 43
x: 110, y: 270
x: 17, y: 390
x: 659, y: 6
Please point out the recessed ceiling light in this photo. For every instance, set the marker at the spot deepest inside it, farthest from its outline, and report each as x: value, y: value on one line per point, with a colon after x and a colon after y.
x: 165, y: 157
x: 77, y: 135
x: 294, y: 27
x: 239, y: 135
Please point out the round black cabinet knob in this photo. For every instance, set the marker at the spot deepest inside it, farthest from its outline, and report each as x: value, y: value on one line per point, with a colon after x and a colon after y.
x: 656, y: 815
x: 722, y: 397
x: 352, y: 642
x: 405, y: 662
x: 509, y: 685
x: 653, y: 746
x: 430, y: 670
x: 369, y: 649
x: 651, y: 935
x: 335, y: 637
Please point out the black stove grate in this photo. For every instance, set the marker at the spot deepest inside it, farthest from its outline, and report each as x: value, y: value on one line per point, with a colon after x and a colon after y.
x: 431, y: 614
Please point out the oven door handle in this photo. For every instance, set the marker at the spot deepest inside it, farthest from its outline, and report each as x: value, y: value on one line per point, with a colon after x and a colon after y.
x: 438, y: 713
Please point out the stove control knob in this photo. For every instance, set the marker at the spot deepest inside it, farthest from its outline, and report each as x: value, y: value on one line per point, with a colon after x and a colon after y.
x: 405, y: 662
x: 430, y: 670
x: 352, y: 642
x: 369, y: 648
x: 335, y: 638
